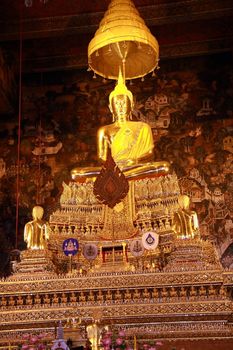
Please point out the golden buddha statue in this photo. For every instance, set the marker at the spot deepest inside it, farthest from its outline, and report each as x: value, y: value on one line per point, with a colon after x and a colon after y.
x: 164, y: 293
x: 192, y: 293
x: 82, y: 297
x: 100, y: 296
x: 37, y: 299
x: 29, y: 300
x: 185, y: 221
x: 55, y: 299
x: 155, y: 293
x: 73, y: 297
x: 173, y: 292
x: 131, y: 142
x: 136, y: 294
x: 35, y: 231
x: 211, y: 292
x: 19, y: 300
x: 3, y: 301
x: 127, y: 295
x: 91, y: 296
x: 202, y: 292
x: 183, y: 293
x: 108, y: 295
x: 222, y: 292
x: 63, y: 298
x: 146, y: 294
x: 11, y: 301
x: 118, y: 295
x: 46, y: 299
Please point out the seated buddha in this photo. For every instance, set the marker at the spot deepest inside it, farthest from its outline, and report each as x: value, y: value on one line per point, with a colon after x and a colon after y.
x: 131, y: 142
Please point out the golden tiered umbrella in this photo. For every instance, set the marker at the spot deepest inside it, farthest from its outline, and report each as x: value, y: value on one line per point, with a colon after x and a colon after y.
x: 123, y: 40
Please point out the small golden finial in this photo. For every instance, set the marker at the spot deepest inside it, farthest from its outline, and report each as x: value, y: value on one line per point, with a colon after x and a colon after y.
x: 121, y: 89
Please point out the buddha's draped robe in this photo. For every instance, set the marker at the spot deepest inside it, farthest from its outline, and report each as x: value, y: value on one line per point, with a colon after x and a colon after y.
x: 132, y: 142
x: 35, y: 233
x: 185, y: 223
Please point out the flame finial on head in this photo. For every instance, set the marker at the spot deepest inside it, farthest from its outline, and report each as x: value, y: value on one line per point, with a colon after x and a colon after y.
x: 121, y: 89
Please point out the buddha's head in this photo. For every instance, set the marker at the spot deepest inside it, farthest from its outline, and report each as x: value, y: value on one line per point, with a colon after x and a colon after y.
x: 121, y: 101
x: 37, y: 212
x: 184, y: 201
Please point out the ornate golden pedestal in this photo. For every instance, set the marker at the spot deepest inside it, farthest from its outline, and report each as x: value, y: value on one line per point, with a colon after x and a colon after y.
x: 192, y: 255
x: 179, y: 290
x: 34, y: 262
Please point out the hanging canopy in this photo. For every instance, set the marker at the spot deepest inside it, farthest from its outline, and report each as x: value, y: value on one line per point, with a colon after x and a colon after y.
x: 123, y: 40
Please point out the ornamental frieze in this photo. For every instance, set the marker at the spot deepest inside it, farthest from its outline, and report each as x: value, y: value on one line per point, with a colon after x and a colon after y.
x: 112, y: 281
x: 115, y: 311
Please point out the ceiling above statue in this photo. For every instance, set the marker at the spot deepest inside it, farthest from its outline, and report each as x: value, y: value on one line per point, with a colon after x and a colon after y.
x: 182, y: 28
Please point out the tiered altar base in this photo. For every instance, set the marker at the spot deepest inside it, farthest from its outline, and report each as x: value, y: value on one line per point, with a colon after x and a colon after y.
x: 173, y: 304
x: 177, y: 291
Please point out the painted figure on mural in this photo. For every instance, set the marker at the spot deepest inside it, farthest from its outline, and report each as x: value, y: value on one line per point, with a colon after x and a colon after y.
x: 36, y: 231
x: 185, y: 221
x: 131, y: 142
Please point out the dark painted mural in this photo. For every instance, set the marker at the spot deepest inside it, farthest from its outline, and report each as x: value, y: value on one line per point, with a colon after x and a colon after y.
x: 189, y: 105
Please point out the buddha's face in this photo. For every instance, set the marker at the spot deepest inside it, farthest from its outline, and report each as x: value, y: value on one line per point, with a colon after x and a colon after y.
x: 121, y: 107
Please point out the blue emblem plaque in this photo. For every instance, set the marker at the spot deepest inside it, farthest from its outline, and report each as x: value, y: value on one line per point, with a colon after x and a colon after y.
x: 70, y: 246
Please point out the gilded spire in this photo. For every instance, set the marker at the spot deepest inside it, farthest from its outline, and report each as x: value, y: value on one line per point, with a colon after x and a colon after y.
x: 121, y: 89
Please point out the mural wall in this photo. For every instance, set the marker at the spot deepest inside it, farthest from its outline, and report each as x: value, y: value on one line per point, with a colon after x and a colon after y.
x: 189, y: 105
